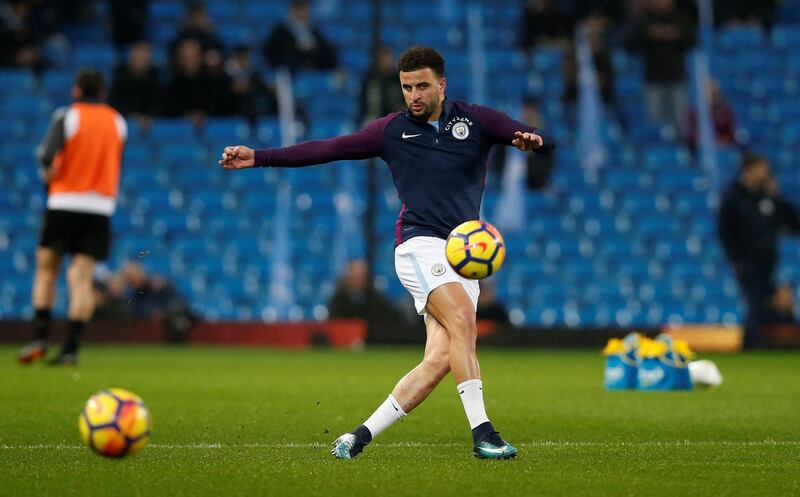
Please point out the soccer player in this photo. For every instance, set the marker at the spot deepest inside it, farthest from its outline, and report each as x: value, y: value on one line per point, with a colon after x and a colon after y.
x: 436, y: 151
x: 81, y: 156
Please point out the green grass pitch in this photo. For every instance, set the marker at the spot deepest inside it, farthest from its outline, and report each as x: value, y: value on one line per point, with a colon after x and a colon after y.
x: 238, y: 422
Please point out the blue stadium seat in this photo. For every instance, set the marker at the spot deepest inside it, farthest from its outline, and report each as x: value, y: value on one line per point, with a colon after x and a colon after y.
x: 28, y: 107
x: 739, y: 37
x: 57, y: 84
x: 166, y: 11
x: 682, y: 181
x: 639, y: 203
x: 16, y: 80
x: 173, y: 130
x: 269, y: 132
x: 789, y: 12
x: 242, y: 35
x: 101, y: 57
x: 786, y: 37
x: 85, y: 33
x: 266, y: 10
x: 231, y: 129
x: 622, y: 180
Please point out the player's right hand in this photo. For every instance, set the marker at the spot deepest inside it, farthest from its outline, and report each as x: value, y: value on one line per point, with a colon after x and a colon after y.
x: 238, y: 157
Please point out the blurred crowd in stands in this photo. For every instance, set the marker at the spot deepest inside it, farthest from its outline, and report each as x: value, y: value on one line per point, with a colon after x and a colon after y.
x: 199, y: 64
x: 662, y: 31
x: 132, y: 292
x: 204, y: 77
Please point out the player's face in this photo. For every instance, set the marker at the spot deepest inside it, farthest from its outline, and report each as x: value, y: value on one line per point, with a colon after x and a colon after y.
x: 423, y: 92
x: 760, y: 174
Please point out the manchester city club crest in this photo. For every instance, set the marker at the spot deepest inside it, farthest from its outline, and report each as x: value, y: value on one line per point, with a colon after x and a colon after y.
x: 438, y: 269
x: 460, y: 131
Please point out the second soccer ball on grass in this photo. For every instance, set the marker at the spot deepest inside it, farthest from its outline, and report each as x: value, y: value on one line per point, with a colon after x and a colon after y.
x: 115, y: 423
x: 475, y: 249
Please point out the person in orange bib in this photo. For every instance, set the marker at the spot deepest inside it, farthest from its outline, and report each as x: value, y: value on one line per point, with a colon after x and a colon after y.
x: 81, y: 157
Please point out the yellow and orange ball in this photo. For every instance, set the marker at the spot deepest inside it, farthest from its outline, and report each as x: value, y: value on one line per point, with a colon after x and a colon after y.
x: 115, y: 423
x: 475, y: 249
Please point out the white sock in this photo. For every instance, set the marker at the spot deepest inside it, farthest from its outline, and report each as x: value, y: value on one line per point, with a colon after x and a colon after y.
x: 471, y: 392
x: 384, y: 416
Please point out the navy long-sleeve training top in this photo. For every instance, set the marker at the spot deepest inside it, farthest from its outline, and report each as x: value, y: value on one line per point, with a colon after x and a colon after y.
x: 439, y: 174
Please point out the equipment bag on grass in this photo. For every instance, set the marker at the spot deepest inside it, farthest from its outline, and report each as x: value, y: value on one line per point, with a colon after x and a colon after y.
x: 663, y: 364
x: 621, y: 362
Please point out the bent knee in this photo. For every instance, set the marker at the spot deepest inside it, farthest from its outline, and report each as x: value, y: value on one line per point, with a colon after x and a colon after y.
x: 463, y: 323
x: 438, y: 363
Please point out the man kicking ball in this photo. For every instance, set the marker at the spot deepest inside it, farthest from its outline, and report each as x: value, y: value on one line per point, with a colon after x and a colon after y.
x: 436, y: 151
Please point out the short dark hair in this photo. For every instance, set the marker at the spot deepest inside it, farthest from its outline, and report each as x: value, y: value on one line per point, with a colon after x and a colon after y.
x: 750, y: 160
x: 90, y: 83
x: 417, y: 57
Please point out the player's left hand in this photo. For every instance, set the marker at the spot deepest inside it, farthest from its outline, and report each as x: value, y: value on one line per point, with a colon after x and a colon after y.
x: 527, y: 141
x: 238, y: 157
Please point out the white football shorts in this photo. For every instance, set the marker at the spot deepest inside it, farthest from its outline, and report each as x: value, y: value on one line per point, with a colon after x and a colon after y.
x: 422, y: 266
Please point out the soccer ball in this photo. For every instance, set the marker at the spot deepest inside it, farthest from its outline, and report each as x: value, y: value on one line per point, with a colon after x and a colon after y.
x: 475, y: 249
x: 115, y: 422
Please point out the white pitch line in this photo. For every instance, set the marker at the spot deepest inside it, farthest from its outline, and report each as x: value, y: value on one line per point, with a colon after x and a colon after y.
x: 539, y: 443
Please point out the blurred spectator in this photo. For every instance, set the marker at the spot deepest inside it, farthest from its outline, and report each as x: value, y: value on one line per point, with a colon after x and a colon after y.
x: 664, y: 35
x: 297, y: 44
x: 636, y: 10
x: 722, y: 117
x: 109, y: 297
x: 611, y: 13
x: 128, y: 19
x: 187, y: 93
x: 253, y: 97
x: 752, y: 216
x: 781, y: 306
x: 604, y: 68
x: 152, y: 297
x: 545, y: 22
x: 198, y: 26
x: 489, y: 308
x: 351, y: 298
x: 735, y: 12
x: 136, y: 89
x: 220, y: 99
x: 20, y: 37
x: 539, y: 166
x: 380, y: 89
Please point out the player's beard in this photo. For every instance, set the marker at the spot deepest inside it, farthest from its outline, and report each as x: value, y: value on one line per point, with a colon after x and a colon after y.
x: 424, y: 115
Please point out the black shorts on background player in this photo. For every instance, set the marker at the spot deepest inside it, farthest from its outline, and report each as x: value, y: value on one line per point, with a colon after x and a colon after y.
x: 77, y: 233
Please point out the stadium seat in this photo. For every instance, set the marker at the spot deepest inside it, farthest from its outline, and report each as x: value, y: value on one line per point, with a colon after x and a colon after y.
x: 169, y: 130
x: 739, y: 37
x: 101, y: 57
x: 16, y: 80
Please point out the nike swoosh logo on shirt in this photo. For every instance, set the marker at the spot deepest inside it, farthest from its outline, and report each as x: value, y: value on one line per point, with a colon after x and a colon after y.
x: 409, y: 136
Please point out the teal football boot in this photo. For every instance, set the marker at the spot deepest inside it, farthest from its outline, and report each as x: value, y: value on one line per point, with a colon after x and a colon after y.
x: 494, y: 447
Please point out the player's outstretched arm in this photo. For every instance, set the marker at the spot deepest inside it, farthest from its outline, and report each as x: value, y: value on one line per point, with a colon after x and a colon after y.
x: 238, y: 157
x: 363, y: 144
x: 506, y: 131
